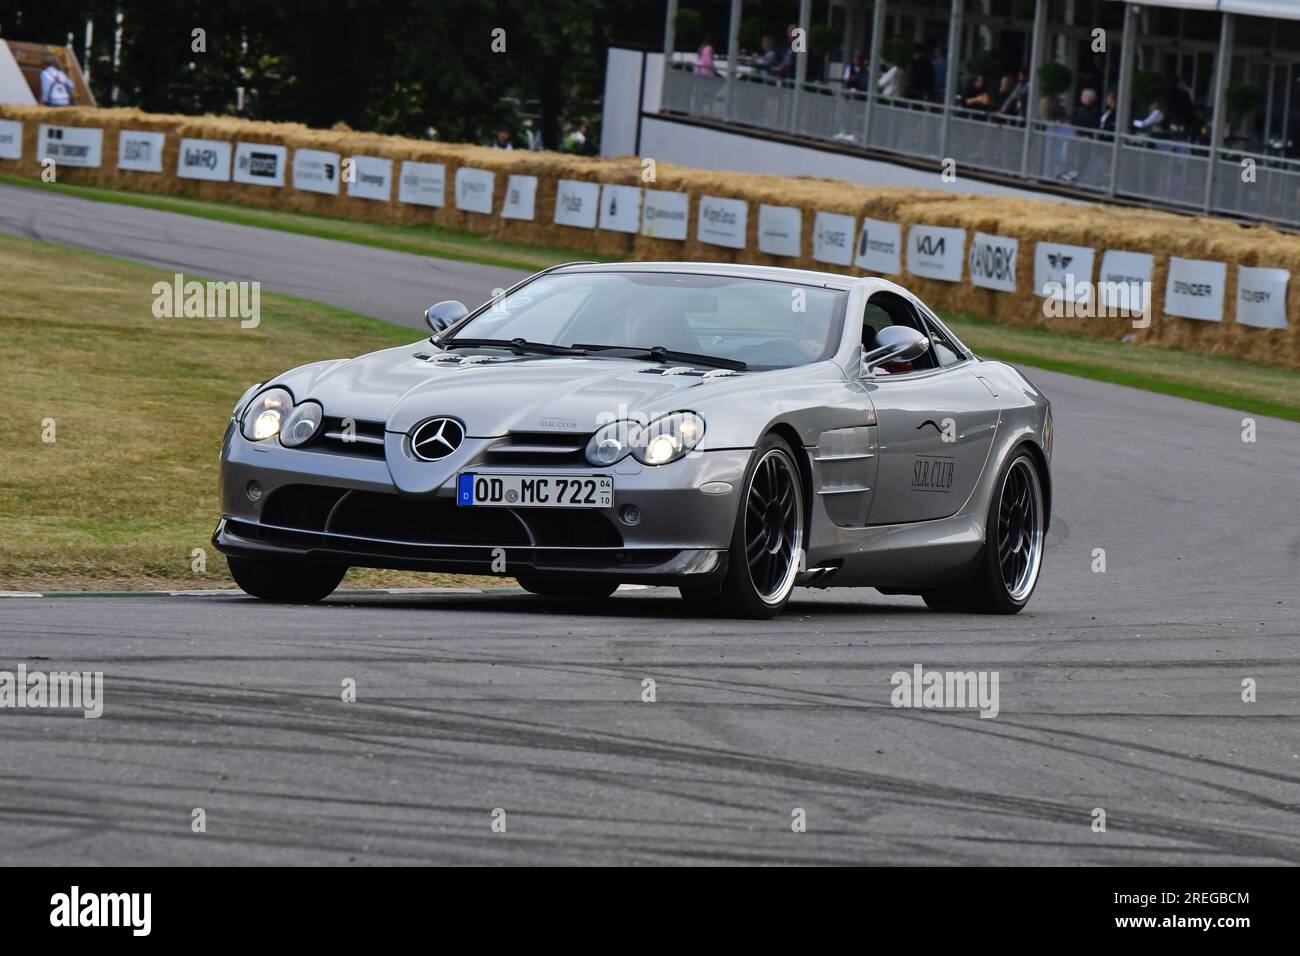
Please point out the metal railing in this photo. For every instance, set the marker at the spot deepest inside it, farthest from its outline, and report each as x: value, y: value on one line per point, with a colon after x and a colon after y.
x: 1162, y: 172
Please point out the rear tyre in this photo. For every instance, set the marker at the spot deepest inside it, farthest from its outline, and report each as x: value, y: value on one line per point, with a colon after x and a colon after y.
x: 291, y: 582
x: 560, y: 584
x: 1006, y: 571
x: 767, y: 543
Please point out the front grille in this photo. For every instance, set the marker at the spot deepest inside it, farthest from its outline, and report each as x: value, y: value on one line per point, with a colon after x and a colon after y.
x: 371, y: 514
x: 539, y: 449
x: 363, y: 440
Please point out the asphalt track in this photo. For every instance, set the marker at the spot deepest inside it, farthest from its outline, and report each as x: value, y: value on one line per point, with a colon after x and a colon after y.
x: 1119, y: 690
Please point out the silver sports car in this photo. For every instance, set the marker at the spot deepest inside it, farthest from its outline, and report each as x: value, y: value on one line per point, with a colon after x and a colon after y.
x: 734, y: 431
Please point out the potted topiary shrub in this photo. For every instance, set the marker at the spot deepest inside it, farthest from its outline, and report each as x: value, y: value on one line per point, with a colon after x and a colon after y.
x: 1241, y: 100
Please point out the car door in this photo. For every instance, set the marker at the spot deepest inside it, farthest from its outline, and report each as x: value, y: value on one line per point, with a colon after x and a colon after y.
x: 935, y: 427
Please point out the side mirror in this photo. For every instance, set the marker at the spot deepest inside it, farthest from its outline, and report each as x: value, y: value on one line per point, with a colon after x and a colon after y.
x: 895, y: 343
x: 444, y: 315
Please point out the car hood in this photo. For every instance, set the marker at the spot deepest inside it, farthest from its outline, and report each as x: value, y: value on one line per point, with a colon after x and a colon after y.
x: 504, y: 393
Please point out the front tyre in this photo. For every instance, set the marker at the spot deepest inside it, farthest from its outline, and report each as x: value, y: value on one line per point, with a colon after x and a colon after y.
x: 290, y: 582
x: 560, y: 584
x: 1007, y: 569
x: 767, y: 543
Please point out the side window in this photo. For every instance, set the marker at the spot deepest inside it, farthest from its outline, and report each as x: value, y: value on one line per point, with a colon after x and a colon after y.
x: 885, y: 309
x: 945, y: 350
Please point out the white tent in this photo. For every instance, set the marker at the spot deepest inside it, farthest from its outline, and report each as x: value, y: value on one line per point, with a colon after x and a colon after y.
x: 13, y: 87
x: 1286, y: 9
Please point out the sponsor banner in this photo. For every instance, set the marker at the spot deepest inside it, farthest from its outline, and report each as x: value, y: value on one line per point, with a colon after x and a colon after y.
x: 372, y: 179
x: 140, y: 151
x: 780, y: 230
x: 521, y: 198
x: 1063, y: 272
x: 11, y: 139
x: 833, y: 238
x: 1124, y: 280
x: 993, y: 262
x: 1261, y: 297
x: 936, y: 252
x: 316, y: 171
x: 620, y: 208
x: 880, y: 247
x: 474, y: 188
x: 576, y: 203
x: 70, y: 145
x: 203, y: 159
x: 664, y: 214
x: 422, y: 184
x: 260, y: 165
x: 722, y: 222
x: 1194, y: 289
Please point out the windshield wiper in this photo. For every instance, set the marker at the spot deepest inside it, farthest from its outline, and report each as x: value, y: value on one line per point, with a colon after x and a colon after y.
x: 518, y: 346
x: 660, y: 354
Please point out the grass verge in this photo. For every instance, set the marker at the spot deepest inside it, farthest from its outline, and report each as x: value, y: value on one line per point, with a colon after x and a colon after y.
x: 1230, y: 382
x: 138, y: 405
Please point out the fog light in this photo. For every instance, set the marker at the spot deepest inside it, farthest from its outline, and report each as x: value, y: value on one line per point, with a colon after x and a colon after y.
x: 630, y: 514
x: 253, y: 490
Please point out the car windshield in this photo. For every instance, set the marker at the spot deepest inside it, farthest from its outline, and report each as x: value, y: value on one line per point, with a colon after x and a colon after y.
x: 764, y: 324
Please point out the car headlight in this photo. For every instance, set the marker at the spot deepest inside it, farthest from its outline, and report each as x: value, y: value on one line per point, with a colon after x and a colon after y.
x: 611, y: 443
x: 301, y: 424
x: 266, y: 413
x: 668, y: 439
x: 239, y: 405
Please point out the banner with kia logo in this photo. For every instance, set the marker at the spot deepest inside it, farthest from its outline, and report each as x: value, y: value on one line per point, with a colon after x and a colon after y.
x: 936, y: 252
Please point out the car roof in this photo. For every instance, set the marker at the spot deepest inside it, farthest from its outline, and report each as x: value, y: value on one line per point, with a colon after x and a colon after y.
x: 736, y: 270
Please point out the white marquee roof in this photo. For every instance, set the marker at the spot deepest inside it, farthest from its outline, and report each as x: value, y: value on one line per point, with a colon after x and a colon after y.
x: 1287, y: 9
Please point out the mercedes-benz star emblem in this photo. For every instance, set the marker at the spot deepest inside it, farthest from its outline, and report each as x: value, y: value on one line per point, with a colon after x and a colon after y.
x: 437, y: 438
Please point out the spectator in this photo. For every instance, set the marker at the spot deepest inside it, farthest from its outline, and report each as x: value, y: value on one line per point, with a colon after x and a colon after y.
x: 920, y: 75
x: 977, y: 97
x: 767, y: 61
x: 939, y: 66
x: 56, y: 87
x: 704, y: 58
x: 576, y: 136
x: 785, y: 66
x: 855, y: 74
x: 502, y: 139
x: 1013, y: 104
x: 1087, y: 115
x: 1154, y: 119
x: 1108, y: 114
x: 891, y: 80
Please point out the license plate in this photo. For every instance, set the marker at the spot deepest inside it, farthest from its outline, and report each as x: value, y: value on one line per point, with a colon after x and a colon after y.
x: 474, y: 489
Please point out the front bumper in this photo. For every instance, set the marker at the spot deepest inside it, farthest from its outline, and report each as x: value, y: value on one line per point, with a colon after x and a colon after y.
x: 682, y: 531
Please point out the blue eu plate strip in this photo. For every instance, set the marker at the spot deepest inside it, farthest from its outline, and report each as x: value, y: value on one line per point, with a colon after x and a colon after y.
x: 465, y: 489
